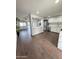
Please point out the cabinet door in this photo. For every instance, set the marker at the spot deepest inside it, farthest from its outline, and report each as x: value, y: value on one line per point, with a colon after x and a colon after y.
x: 54, y: 28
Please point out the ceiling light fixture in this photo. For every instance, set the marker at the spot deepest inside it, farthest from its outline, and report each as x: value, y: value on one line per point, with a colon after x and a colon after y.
x: 56, y: 1
x: 37, y: 12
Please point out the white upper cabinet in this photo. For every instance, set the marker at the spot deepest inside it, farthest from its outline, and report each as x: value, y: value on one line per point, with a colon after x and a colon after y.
x: 55, y: 24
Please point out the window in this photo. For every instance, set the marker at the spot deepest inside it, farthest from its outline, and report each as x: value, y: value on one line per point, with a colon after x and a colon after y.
x: 22, y: 24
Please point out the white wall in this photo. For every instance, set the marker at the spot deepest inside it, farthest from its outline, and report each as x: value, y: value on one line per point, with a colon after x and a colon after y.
x: 55, y: 24
x: 60, y: 41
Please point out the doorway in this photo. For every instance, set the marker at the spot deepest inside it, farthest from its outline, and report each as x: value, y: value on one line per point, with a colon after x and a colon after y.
x: 46, y: 26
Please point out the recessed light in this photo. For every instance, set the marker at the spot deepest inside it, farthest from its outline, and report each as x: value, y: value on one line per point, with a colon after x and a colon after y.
x: 56, y: 1
x: 37, y: 12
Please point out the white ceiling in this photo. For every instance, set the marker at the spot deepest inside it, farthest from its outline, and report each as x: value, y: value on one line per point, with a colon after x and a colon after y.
x: 45, y: 7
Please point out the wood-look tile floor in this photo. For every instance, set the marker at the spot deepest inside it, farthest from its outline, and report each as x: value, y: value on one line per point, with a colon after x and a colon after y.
x: 50, y: 36
x: 41, y: 46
